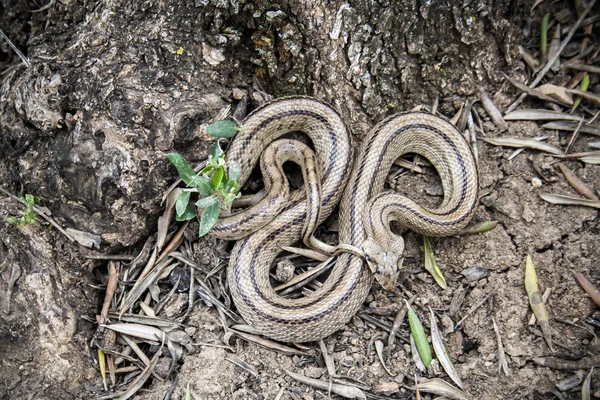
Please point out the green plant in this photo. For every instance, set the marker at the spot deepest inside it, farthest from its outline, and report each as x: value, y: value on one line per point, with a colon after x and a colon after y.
x: 217, y: 181
x: 28, y: 216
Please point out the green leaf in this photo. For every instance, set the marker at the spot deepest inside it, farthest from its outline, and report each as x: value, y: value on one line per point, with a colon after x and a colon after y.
x: 222, y: 129
x: 188, y: 213
x: 29, y: 215
x: 209, y: 218
x: 218, y: 177
x: 207, y: 201
x: 182, y: 202
x: 30, y: 199
x: 215, y: 153
x: 431, y: 264
x: 186, y: 173
x: 206, y: 169
x: 203, y: 184
x: 232, y: 186
x: 234, y: 171
x: 17, y: 221
x: 418, y: 333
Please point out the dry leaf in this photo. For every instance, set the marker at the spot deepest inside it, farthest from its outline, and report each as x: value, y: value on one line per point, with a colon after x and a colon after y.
x: 558, y: 92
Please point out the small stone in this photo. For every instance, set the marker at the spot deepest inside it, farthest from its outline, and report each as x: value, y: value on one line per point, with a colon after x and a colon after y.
x: 238, y: 93
x: 347, y: 362
x: 447, y: 324
x: 313, y: 372
x: 536, y: 182
x: 284, y: 271
x: 387, y: 388
x: 474, y: 274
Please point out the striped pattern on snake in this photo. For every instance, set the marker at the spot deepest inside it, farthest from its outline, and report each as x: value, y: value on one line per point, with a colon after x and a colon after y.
x: 342, y: 294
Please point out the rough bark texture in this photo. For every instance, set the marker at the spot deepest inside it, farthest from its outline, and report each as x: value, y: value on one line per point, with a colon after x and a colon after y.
x: 115, y: 85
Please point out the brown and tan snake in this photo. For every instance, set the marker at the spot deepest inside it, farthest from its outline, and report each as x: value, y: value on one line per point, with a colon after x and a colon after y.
x: 364, y: 216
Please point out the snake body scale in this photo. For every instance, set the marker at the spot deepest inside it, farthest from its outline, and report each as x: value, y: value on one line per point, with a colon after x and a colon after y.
x: 364, y: 216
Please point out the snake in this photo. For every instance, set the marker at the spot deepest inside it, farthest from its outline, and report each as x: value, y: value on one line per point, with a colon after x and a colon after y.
x: 355, y: 180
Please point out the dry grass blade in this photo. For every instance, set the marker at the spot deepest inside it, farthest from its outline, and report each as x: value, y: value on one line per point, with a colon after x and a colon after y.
x: 582, y: 67
x: 539, y: 115
x: 243, y: 365
x: 143, y: 377
x: 536, y: 302
x: 527, y: 143
x: 165, y: 220
x: 569, y: 201
x: 269, y: 344
x: 589, y: 288
x: 400, y: 162
x: 398, y: 322
x: 491, y: 109
x: 479, y: 227
x: 586, y: 387
x: 571, y: 126
x: 165, y: 324
x: 379, y: 350
x: 591, y: 159
x: 175, y: 242
x: 558, y: 363
x: 586, y: 95
x: 329, y: 362
x: 209, y: 297
x: 558, y: 92
x: 298, y: 279
x: 536, y: 93
x: 441, y: 353
x: 577, y: 183
x: 142, y: 284
x: 502, y: 363
x: 315, y: 255
x: 111, y: 286
x: 443, y: 388
x: 346, y: 391
x: 431, y: 264
x: 144, y: 332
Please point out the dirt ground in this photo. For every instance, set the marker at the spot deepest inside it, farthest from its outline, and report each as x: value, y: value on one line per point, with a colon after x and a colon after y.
x: 104, y: 171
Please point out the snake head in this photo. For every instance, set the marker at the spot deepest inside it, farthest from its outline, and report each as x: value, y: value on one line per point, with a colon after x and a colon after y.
x: 385, y: 260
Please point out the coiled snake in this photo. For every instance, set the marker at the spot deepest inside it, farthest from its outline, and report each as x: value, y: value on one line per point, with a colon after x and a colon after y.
x: 364, y: 216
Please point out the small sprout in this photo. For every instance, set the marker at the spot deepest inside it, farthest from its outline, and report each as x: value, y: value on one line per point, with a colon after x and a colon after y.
x: 544, y: 37
x: 583, y: 86
x: 223, y: 129
x: 418, y: 333
x: 480, y: 227
x: 536, y: 302
x: 28, y: 216
x: 431, y: 264
x: 102, y: 363
x: 212, y: 181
